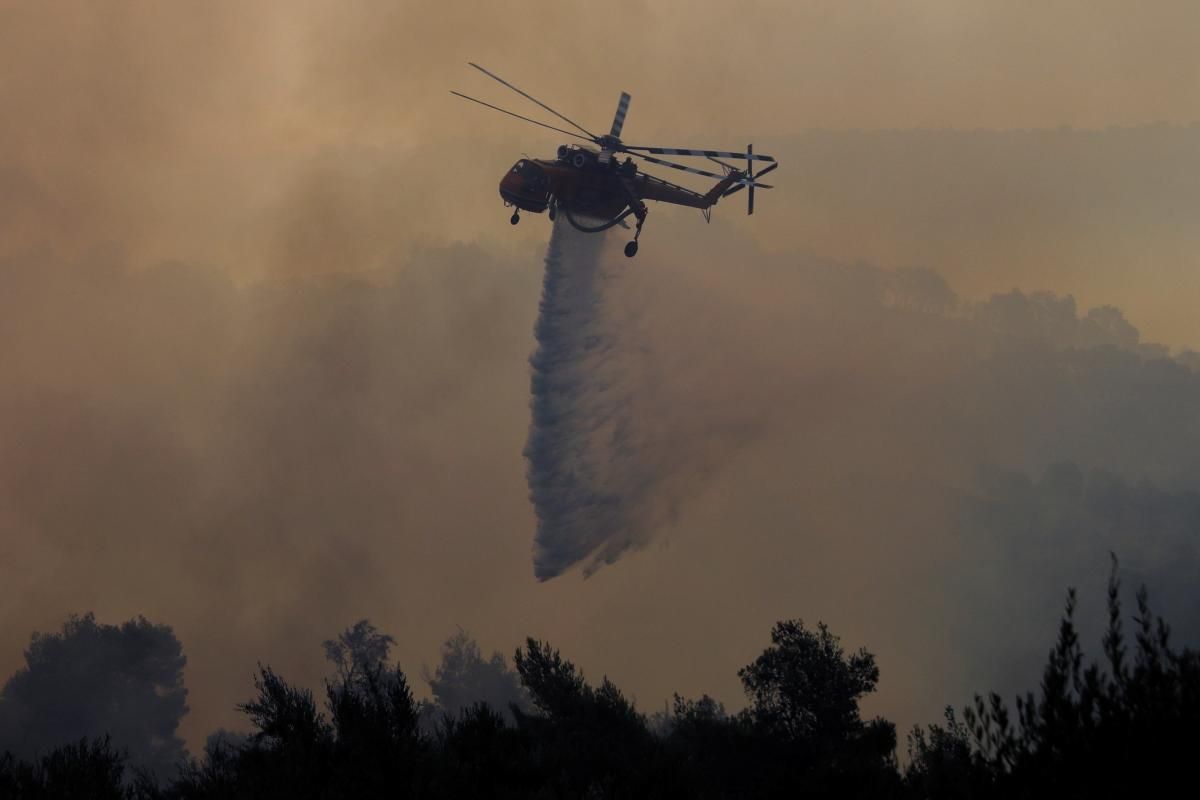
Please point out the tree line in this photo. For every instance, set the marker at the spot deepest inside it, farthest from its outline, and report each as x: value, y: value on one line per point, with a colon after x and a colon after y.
x: 1124, y: 724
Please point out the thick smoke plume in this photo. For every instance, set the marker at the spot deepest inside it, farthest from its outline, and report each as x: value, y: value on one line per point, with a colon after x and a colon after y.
x: 578, y: 431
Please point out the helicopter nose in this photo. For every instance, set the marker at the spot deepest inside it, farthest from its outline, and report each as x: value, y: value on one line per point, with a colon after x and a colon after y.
x: 509, y: 185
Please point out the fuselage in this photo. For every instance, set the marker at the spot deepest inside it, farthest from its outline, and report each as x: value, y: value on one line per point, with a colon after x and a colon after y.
x: 578, y: 180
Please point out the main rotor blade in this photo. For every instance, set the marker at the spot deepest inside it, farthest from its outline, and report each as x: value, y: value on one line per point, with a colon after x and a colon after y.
x: 518, y: 116
x: 591, y: 135
x: 678, y: 166
x: 683, y: 151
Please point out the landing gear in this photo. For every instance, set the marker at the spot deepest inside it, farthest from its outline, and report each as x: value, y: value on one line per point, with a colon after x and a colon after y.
x: 514, y: 219
x: 642, y: 212
x: 552, y: 210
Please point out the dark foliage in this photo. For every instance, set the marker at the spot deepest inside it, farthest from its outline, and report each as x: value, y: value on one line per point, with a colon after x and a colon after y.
x: 464, y: 677
x: 91, y: 769
x: 92, y: 680
x: 944, y: 764
x: 1125, y: 728
x: 358, y: 651
x: 804, y: 721
x: 585, y: 740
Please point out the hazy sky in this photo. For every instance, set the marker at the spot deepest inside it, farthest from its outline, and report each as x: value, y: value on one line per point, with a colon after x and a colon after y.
x: 265, y: 325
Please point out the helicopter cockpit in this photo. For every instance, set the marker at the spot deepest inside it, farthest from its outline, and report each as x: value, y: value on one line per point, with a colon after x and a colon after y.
x: 526, y: 186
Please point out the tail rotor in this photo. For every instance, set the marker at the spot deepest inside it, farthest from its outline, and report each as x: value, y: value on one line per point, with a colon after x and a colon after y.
x: 749, y: 179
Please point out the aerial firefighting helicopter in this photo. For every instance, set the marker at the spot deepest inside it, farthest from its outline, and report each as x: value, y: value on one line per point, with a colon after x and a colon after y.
x: 595, y: 191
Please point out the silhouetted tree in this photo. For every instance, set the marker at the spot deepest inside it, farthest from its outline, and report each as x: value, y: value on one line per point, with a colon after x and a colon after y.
x: 805, y: 688
x: 217, y: 773
x: 480, y: 755
x: 943, y: 764
x: 91, y: 680
x: 716, y: 754
x: 1130, y: 730
x: 586, y: 741
x: 87, y: 769
x: 369, y: 745
x: 464, y: 678
x: 284, y: 716
x: 290, y: 753
x: 1126, y: 730
x: 377, y: 745
x: 804, y: 693
x: 358, y: 651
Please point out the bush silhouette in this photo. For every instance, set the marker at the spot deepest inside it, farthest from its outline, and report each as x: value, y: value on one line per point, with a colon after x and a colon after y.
x: 1126, y: 726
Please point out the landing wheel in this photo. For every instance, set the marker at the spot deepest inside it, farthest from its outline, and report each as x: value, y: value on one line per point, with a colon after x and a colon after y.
x: 552, y: 211
x: 514, y: 219
x: 631, y: 248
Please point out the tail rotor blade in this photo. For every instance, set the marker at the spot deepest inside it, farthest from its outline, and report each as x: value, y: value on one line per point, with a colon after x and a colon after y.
x: 768, y: 169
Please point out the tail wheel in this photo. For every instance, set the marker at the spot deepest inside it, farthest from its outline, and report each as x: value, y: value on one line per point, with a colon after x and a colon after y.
x: 514, y: 219
x: 631, y: 249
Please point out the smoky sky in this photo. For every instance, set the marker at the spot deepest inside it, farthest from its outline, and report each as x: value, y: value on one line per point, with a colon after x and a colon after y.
x: 265, y: 332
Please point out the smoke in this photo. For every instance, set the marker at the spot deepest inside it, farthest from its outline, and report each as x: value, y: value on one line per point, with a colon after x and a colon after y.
x: 1044, y: 533
x: 1106, y: 215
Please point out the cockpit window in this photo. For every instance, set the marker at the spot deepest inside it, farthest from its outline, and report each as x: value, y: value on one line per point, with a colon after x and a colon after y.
x: 526, y: 168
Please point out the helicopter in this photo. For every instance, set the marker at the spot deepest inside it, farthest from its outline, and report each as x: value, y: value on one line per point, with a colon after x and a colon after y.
x: 596, y: 191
